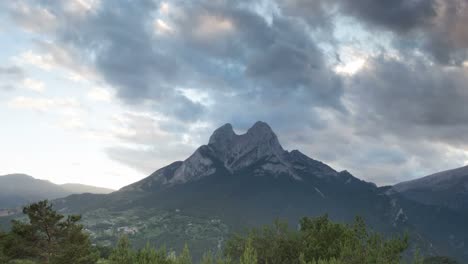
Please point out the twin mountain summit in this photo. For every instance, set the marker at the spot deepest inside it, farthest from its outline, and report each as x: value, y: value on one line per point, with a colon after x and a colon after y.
x: 238, y: 181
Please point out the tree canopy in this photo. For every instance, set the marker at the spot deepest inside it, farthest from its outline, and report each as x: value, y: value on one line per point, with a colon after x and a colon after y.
x: 318, y: 240
x: 48, y: 237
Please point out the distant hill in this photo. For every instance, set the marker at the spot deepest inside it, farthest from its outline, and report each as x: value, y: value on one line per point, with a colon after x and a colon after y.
x: 82, y: 188
x: 20, y: 189
x: 447, y: 188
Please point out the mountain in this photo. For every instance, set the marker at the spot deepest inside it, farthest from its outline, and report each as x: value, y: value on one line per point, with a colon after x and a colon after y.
x: 82, y: 188
x: 19, y: 189
x: 253, y: 174
x: 447, y: 189
x: 438, y: 204
x: 238, y: 181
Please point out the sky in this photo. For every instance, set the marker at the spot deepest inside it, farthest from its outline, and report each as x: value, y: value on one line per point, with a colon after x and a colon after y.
x: 104, y: 92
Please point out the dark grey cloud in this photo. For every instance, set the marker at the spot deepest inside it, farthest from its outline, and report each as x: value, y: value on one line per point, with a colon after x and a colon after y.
x: 411, y: 93
x: 318, y: 13
x: 447, y: 39
x: 398, y: 15
x: 435, y: 27
x: 119, y: 38
x: 432, y: 26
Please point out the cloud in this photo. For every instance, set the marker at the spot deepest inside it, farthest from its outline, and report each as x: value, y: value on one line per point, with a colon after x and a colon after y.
x: 413, y: 98
x: 146, y: 143
x: 377, y: 87
x: 435, y: 27
x: 43, y: 104
x: 34, y: 85
x: 66, y: 113
x: 99, y: 94
x: 44, y: 62
x: 9, y: 76
x: 225, y: 43
x: 33, y: 18
x: 50, y: 56
x: 398, y: 15
x: 11, y: 71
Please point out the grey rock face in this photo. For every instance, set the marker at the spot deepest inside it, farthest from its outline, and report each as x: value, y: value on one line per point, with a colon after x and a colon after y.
x: 239, y: 151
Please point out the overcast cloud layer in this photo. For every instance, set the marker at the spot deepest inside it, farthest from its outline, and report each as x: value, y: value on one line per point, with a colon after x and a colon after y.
x: 379, y: 88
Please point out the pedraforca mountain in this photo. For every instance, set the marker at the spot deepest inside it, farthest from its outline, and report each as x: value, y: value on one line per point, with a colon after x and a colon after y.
x: 258, y: 150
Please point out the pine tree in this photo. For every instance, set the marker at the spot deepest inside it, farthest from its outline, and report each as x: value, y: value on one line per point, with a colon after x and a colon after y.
x: 184, y: 257
x: 250, y: 255
x: 48, y: 238
x: 149, y: 255
x: 122, y: 254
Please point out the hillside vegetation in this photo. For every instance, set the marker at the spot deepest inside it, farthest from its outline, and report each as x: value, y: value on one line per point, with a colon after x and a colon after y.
x: 49, y: 237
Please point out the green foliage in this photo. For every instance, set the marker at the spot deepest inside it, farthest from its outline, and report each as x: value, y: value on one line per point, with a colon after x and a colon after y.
x: 184, y: 257
x: 439, y: 260
x: 273, y: 244
x: 250, y: 255
x: 318, y: 241
x: 149, y: 255
x: 123, y: 253
x: 207, y: 258
x: 48, y: 237
x: 104, y: 251
x: 3, y: 258
x: 22, y: 261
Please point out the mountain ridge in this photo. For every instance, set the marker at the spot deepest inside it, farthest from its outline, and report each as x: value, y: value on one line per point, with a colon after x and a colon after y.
x: 446, y: 188
x: 20, y: 189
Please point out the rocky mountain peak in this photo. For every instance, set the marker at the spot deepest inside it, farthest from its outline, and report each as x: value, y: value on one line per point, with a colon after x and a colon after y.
x: 258, y: 150
x: 261, y: 129
x: 239, y: 150
x: 222, y: 135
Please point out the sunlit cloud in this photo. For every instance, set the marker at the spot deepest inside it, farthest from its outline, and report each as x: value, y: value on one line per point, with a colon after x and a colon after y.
x: 209, y: 26
x: 197, y: 96
x: 162, y: 27
x: 99, y: 94
x: 81, y: 7
x: 164, y: 8
x: 34, y: 85
x: 42, y: 61
x: 33, y: 18
x: 351, y: 67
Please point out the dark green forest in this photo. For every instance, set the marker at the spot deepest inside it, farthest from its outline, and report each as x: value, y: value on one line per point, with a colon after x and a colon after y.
x: 49, y: 237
